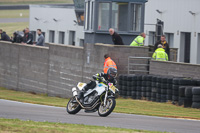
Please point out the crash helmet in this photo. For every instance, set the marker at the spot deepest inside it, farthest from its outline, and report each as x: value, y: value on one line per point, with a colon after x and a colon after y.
x: 112, y: 73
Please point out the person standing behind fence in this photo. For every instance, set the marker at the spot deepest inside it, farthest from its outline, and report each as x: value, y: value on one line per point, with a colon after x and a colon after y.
x: 164, y: 44
x: 160, y: 54
x: 28, y: 37
x: 117, y: 40
x: 40, y: 40
x: 139, y: 40
x: 4, y: 36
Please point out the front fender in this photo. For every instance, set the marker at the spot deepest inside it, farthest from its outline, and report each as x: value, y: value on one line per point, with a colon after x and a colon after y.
x: 111, y: 96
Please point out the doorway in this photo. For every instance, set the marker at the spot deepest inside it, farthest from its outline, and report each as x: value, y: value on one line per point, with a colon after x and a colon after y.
x: 72, y: 38
x: 185, y: 47
x: 198, y: 49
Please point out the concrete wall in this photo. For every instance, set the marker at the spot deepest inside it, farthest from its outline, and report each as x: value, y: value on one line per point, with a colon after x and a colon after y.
x: 177, y: 19
x: 23, y: 68
x: 175, y: 69
x: 65, y: 69
x: 54, y: 70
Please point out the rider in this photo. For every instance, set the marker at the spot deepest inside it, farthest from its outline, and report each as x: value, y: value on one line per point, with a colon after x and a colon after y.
x: 110, y: 77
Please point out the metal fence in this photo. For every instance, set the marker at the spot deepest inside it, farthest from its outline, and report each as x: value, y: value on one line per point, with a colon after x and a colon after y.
x: 138, y: 65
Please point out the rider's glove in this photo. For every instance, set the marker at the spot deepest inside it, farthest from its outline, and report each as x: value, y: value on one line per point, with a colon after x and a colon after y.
x: 101, y: 74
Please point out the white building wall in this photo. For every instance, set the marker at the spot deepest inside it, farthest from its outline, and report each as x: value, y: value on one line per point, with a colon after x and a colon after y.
x: 177, y: 19
x: 65, y: 22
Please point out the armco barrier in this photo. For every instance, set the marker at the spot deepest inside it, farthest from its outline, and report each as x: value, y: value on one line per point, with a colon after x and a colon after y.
x: 54, y: 70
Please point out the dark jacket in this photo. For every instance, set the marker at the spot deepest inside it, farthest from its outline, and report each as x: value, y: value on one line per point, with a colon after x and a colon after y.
x: 165, y: 46
x: 105, y: 76
x: 117, y: 40
x: 17, y: 37
x: 28, y: 38
x: 4, y: 37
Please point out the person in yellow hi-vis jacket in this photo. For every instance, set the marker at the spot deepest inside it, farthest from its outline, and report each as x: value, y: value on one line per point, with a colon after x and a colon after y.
x: 139, y: 40
x: 160, y: 54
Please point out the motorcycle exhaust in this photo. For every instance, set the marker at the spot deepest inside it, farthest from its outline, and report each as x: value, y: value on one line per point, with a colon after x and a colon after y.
x: 94, y: 106
x: 74, y: 91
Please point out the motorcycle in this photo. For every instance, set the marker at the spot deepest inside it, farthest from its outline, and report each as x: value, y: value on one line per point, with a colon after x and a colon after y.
x: 101, y: 98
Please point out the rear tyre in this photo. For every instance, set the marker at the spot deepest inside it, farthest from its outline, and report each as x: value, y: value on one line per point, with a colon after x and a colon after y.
x: 72, y: 106
x: 106, y: 110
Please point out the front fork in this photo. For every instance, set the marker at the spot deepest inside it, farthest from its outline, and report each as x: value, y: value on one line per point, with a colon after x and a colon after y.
x: 106, y: 95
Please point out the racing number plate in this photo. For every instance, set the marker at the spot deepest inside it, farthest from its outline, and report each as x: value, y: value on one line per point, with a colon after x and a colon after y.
x: 112, y: 87
x: 81, y: 85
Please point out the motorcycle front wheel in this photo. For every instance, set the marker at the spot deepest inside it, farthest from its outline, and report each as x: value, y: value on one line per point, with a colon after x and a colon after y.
x: 73, y: 107
x: 108, y: 108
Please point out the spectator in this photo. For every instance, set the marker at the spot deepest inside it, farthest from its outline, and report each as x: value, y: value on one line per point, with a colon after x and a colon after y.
x: 40, y: 40
x: 17, y: 37
x: 164, y: 44
x: 117, y: 40
x: 139, y: 40
x: 4, y: 36
x: 28, y: 37
x: 160, y: 54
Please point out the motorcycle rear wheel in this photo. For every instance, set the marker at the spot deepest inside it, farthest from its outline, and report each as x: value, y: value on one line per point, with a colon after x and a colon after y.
x: 104, y: 111
x: 73, y: 108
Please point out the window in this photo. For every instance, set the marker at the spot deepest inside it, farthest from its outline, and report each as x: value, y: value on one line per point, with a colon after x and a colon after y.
x: 91, y: 17
x: 80, y: 18
x: 198, y: 49
x: 170, y: 39
x: 72, y: 38
x: 120, y: 16
x: 115, y: 16
x: 136, y: 18
x: 34, y: 35
x: 43, y: 34
x: 86, y: 15
x: 61, y: 38
x: 152, y: 38
x: 51, y: 36
x: 81, y: 42
x: 103, y: 20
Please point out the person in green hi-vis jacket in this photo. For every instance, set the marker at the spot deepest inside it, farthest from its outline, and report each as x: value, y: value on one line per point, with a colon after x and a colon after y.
x: 160, y: 54
x: 139, y: 40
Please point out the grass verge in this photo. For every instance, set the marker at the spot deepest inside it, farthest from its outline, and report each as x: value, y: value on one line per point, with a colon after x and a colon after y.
x: 18, y: 126
x: 19, y: 2
x: 129, y: 106
x: 12, y: 27
x: 14, y: 13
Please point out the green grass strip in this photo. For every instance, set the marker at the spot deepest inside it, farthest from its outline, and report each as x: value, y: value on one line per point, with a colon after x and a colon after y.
x: 14, y: 13
x: 18, y: 126
x: 10, y: 28
x: 27, y: 2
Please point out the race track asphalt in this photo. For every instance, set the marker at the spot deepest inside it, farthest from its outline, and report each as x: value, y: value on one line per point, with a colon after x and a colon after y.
x: 26, y: 111
x: 13, y: 20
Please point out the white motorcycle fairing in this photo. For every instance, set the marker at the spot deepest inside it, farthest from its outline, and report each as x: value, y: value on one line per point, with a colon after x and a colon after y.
x: 100, y: 88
